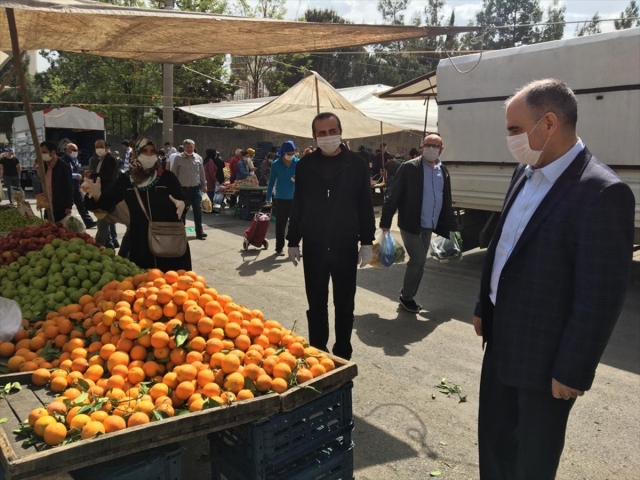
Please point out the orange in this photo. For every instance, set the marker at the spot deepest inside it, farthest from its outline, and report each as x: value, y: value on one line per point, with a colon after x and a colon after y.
x: 79, y: 421
x: 255, y: 327
x: 54, y: 434
x: 107, y: 350
x: 7, y: 349
x: 117, y: 358
x: 171, y: 276
x: 115, y: 381
x: 274, y: 335
x: 261, y: 340
x: 180, y: 297
x: 138, y: 352
x: 150, y: 368
x: 131, y: 331
x: 154, y: 273
x: 114, y: 423
x: 279, y: 385
x: 204, y: 377
x: 186, y: 373
x: 193, y: 314
x: 58, y: 384
x: 138, y: 418
x: 282, y: 370
x: 146, y: 407
x: 198, y: 344
x: 121, y: 370
x: 166, y: 408
x: 235, y: 317
x: 232, y: 330
x: 269, y: 363
x: 220, y: 320
x: 211, y: 390
x: 42, y: 423
x: 72, y: 393
x: 318, y: 370
x: 286, y: 357
x: 92, y: 429
x: 205, y: 325
x: 170, y: 379
x: 242, y: 342
x: 159, y: 340
x: 40, y: 377
x: 94, y: 372
x: 136, y: 375
x: 38, y: 342
x: 296, y: 349
x: 251, y: 371
x: 245, y: 395
x: 15, y: 363
x: 230, y: 363
x: 184, y: 282
x: 303, y: 375
x: 159, y: 390
x: 212, y: 308
x: 252, y: 357
x: 193, y: 356
x: 184, y: 390
x: 37, y: 414
x: 234, y: 382
x: 213, y: 345
x: 99, y: 416
x: 79, y: 365
x: 328, y: 364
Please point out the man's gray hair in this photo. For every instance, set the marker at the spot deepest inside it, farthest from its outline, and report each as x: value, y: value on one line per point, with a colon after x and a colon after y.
x: 188, y: 141
x: 551, y: 95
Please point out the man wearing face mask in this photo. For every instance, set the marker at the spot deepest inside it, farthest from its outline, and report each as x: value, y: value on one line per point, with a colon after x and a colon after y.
x: 553, y: 285
x: 331, y: 212
x: 189, y: 168
x: 70, y: 157
x: 421, y: 193
x: 104, y: 166
x: 58, y: 181
x: 282, y: 177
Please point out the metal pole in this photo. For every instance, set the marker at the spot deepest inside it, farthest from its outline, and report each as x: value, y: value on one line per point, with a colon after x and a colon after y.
x: 24, y: 93
x: 167, y: 93
x: 317, y: 95
x: 426, y: 115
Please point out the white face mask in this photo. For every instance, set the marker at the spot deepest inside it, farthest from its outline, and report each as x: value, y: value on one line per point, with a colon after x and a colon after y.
x: 522, y: 151
x: 329, y: 144
x: 73, y: 154
x: 288, y: 157
x: 46, y: 157
x: 430, y: 154
x: 100, y: 152
x: 147, y: 161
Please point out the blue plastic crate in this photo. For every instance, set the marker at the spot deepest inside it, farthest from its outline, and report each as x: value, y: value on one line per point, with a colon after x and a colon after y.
x: 164, y: 463
x: 266, y: 445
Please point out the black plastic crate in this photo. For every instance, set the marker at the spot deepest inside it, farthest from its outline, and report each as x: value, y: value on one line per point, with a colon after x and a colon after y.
x: 266, y: 445
x: 164, y: 463
x: 332, y: 462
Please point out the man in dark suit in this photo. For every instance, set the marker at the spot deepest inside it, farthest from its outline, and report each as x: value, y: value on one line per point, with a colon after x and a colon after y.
x: 552, y: 287
x: 70, y: 157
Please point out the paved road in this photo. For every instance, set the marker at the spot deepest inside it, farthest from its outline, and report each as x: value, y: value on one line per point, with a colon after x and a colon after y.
x: 401, y: 431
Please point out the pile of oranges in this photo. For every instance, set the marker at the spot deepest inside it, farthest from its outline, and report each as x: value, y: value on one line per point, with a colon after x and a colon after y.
x: 151, y: 347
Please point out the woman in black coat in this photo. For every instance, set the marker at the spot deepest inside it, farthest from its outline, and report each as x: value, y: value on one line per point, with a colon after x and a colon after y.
x: 161, y: 195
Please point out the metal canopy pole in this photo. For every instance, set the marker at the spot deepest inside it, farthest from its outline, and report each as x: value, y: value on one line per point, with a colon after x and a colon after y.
x: 426, y: 115
x: 317, y: 95
x: 167, y: 93
x: 24, y: 93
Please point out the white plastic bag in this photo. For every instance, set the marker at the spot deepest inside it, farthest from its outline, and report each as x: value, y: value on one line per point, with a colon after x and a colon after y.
x: 446, y: 249
x: 10, y: 319
x: 73, y: 223
x: 207, y: 206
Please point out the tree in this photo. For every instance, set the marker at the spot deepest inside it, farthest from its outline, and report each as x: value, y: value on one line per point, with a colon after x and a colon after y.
x: 555, y: 18
x: 252, y: 69
x: 589, y: 28
x: 519, y: 14
x: 390, y: 10
x: 627, y: 17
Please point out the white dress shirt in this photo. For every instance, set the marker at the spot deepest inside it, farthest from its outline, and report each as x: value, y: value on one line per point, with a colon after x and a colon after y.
x: 523, y: 208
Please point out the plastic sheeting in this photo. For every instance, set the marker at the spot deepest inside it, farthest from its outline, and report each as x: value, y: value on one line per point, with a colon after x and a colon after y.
x: 358, y: 108
x: 86, y: 26
x: 68, y: 117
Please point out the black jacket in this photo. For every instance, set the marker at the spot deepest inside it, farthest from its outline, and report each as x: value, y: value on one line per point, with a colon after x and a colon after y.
x: 337, y: 213
x: 405, y: 195
x: 108, y: 170
x: 563, y: 286
x: 62, y: 186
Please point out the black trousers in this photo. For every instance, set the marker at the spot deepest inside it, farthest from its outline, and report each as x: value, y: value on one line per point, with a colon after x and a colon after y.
x: 340, y: 265
x: 281, y: 211
x: 520, y: 431
x: 195, y: 199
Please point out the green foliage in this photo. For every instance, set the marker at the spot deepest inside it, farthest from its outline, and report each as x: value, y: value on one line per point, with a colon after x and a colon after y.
x: 11, y: 94
x: 626, y: 18
x: 589, y: 28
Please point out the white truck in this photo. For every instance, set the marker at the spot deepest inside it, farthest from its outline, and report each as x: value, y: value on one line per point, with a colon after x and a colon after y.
x: 60, y: 125
x: 604, y: 72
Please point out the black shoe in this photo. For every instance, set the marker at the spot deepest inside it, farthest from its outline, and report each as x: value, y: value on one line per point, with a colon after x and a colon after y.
x: 410, y: 305
x: 91, y: 225
x: 279, y: 253
x: 115, y: 244
x: 201, y: 236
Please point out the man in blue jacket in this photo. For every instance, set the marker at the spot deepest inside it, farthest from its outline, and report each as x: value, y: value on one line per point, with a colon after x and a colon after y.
x: 283, y: 177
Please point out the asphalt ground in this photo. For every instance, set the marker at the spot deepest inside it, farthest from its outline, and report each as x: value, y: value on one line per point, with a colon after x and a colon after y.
x: 404, y: 427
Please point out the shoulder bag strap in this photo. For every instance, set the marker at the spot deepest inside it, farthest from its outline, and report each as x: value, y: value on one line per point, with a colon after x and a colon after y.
x: 141, y: 204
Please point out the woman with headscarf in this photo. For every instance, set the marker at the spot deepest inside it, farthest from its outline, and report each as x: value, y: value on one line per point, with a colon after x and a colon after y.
x: 214, y: 172
x: 161, y: 195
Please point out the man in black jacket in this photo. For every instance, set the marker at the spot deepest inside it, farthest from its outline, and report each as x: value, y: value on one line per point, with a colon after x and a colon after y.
x: 421, y: 192
x: 105, y: 166
x: 331, y: 212
x: 70, y: 157
x: 58, y: 180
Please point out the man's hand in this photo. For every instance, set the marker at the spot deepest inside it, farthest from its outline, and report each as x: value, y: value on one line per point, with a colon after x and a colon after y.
x: 93, y: 189
x: 179, y: 206
x: 365, y: 255
x: 559, y: 390
x: 477, y: 325
x: 203, y: 189
x: 294, y: 255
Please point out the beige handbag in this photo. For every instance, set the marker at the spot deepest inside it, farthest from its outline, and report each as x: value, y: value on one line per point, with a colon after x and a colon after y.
x: 166, y: 239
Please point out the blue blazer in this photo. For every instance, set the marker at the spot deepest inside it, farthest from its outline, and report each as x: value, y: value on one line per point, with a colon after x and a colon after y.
x: 562, y: 289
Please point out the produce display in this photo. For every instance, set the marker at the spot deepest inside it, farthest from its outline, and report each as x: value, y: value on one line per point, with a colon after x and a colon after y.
x: 11, y: 218
x: 59, y: 274
x: 32, y: 239
x: 148, y: 347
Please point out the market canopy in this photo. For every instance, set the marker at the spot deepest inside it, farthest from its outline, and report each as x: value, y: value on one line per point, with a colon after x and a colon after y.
x: 87, y: 26
x: 292, y: 112
x: 424, y: 86
x: 408, y: 114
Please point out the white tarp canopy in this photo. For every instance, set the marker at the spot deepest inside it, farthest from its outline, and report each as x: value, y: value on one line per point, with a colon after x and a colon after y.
x: 69, y: 117
x: 401, y: 115
x: 424, y: 86
x: 171, y: 36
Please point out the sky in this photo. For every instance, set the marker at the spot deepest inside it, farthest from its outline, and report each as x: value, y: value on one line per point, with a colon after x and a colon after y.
x: 365, y: 11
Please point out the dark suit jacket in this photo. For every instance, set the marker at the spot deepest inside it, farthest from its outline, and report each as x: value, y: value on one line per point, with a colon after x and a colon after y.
x: 108, y: 170
x: 562, y: 289
x: 405, y: 195
x: 62, y: 186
